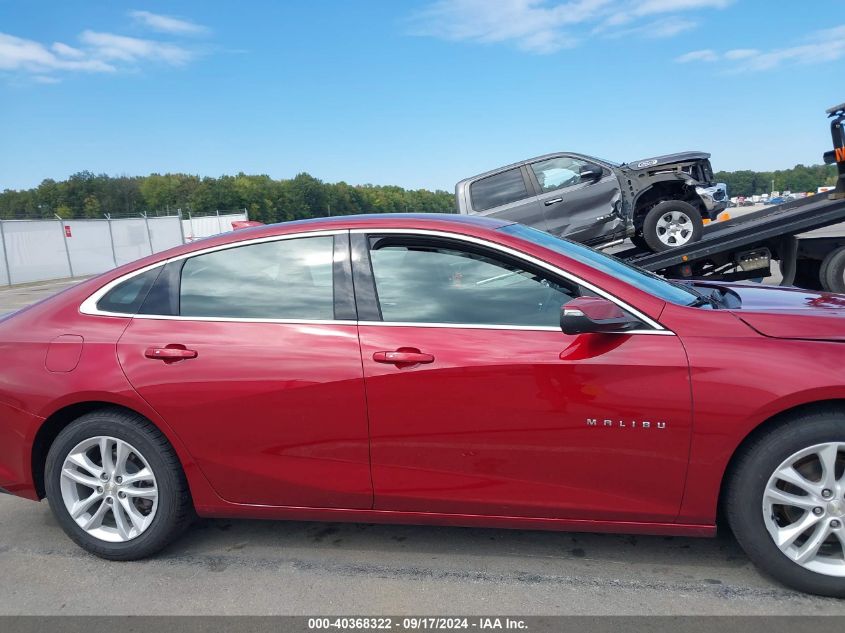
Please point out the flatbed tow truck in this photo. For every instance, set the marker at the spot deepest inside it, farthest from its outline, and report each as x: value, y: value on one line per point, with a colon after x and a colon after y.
x: 744, y: 247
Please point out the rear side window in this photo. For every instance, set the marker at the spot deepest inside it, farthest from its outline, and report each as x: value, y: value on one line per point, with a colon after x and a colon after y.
x: 285, y: 279
x: 494, y: 191
x: 128, y: 296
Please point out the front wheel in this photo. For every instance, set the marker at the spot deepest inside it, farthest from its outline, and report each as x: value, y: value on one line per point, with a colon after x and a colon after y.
x: 671, y: 224
x: 786, y: 502
x: 116, y: 486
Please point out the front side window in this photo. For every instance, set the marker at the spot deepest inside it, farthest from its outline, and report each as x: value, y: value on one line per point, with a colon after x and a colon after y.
x: 423, y: 281
x: 498, y: 190
x: 557, y: 173
x: 285, y: 279
x: 637, y: 277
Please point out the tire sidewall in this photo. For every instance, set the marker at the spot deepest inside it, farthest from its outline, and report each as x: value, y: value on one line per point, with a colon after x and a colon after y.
x: 746, y: 498
x: 833, y: 274
x: 167, y: 482
x: 653, y: 216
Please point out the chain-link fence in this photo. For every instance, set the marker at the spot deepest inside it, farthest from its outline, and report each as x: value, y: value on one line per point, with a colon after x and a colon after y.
x: 38, y: 250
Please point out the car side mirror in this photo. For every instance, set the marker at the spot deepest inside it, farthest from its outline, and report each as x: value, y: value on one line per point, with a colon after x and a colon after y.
x: 594, y: 315
x: 590, y: 172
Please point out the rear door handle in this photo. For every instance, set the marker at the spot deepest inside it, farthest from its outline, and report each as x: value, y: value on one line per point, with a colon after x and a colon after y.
x: 170, y: 354
x: 549, y: 203
x: 402, y: 357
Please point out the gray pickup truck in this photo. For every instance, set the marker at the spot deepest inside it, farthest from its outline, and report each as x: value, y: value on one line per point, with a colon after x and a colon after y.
x: 660, y: 203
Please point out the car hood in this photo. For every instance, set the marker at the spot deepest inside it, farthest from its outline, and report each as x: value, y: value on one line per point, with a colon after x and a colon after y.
x: 790, y: 312
x: 666, y: 159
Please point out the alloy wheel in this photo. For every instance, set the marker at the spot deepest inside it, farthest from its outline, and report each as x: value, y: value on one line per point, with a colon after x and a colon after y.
x: 109, y: 489
x: 804, y: 508
x: 674, y: 228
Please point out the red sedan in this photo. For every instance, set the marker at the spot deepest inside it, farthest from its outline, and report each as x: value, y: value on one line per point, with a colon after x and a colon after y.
x: 429, y: 369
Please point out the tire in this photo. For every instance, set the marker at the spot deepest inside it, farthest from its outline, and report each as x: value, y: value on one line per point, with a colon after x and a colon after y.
x: 833, y: 271
x: 746, y: 494
x: 153, y: 509
x: 680, y: 216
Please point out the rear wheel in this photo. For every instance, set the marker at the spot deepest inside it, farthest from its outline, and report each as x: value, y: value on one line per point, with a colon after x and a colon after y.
x: 786, y: 502
x: 115, y: 485
x: 833, y: 271
x: 671, y: 224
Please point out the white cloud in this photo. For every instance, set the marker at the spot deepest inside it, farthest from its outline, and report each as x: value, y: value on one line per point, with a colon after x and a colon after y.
x: 705, y: 55
x: 67, y: 51
x: 664, y: 27
x: 651, y: 7
x: 547, y: 26
x: 167, y: 23
x: 741, y: 53
x: 98, y: 52
x: 132, y: 49
x: 817, y: 48
x: 19, y: 54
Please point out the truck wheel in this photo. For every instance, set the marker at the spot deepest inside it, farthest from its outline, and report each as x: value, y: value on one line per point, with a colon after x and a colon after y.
x: 671, y: 224
x: 833, y: 271
x: 785, y: 502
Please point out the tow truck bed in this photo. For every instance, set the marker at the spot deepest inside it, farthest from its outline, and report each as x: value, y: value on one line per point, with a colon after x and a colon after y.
x: 724, y: 242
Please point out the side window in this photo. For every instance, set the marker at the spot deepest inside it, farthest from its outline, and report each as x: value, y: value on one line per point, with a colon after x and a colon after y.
x: 285, y: 279
x: 427, y: 282
x: 494, y: 191
x: 127, y: 297
x: 557, y: 173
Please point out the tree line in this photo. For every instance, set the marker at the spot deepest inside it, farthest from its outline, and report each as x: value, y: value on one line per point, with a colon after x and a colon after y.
x: 88, y: 195
x: 799, y: 178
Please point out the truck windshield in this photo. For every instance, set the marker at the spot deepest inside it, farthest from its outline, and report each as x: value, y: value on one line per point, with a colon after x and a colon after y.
x: 644, y: 280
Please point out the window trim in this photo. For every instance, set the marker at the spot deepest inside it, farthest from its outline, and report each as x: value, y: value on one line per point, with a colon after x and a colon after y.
x: 656, y: 327
x: 89, y: 305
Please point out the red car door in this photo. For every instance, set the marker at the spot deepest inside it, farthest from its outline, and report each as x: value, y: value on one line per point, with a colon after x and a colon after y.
x: 479, y: 404
x: 252, y: 356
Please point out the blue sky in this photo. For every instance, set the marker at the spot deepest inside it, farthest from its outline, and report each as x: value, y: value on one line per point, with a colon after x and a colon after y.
x: 418, y: 94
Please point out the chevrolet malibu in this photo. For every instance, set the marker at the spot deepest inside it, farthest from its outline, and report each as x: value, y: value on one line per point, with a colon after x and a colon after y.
x: 429, y: 369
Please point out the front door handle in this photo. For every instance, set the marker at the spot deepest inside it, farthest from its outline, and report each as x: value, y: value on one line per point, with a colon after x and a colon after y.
x: 170, y: 354
x: 549, y: 203
x: 403, y: 357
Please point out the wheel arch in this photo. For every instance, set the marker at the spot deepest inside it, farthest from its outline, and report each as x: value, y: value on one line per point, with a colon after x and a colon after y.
x: 64, y: 415
x: 766, y: 426
x: 661, y: 191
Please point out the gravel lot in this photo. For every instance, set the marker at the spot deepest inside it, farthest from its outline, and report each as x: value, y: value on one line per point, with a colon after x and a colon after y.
x: 255, y: 567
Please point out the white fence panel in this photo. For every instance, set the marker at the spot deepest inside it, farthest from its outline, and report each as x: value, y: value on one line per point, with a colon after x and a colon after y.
x: 89, y: 245
x: 36, y: 250
x: 208, y: 225
x: 165, y: 233
x: 131, y: 240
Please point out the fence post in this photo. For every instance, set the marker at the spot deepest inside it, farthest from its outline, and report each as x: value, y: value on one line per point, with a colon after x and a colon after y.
x: 5, y: 254
x: 149, y: 234
x: 219, y: 225
x: 111, y: 239
x: 64, y: 237
x: 181, y: 226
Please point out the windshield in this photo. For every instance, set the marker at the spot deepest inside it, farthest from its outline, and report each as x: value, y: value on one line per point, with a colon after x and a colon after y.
x: 644, y: 280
